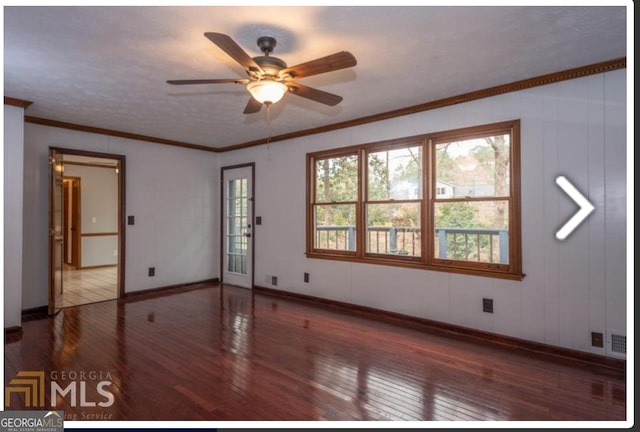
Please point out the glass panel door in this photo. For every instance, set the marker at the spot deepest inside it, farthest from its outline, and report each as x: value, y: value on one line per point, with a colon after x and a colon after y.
x: 238, y: 227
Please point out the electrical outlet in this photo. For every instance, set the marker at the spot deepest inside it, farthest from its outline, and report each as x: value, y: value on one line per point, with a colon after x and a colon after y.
x: 152, y: 271
x: 274, y: 280
x: 306, y: 277
x: 487, y: 305
x: 597, y: 340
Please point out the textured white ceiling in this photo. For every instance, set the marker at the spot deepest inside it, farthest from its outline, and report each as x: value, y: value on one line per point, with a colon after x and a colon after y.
x: 107, y: 67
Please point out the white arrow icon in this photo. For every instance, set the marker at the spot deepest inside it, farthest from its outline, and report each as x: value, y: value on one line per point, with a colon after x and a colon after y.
x: 585, y: 208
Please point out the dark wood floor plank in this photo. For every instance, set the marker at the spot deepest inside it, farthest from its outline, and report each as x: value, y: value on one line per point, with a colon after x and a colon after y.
x: 223, y: 353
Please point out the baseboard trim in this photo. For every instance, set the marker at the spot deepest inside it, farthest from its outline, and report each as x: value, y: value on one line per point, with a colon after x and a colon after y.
x: 102, y: 266
x: 13, y: 330
x: 129, y: 297
x: 473, y: 335
x: 35, y: 312
x: 14, y: 333
x: 43, y: 311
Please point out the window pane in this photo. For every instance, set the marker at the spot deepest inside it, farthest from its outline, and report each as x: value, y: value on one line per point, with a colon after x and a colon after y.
x: 337, y: 179
x: 394, y: 229
x: 335, y: 227
x: 237, y: 221
x: 472, y: 231
x: 473, y: 168
x: 395, y: 174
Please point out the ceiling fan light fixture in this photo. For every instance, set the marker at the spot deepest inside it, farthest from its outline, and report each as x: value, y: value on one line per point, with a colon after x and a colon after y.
x: 270, y: 77
x: 267, y: 91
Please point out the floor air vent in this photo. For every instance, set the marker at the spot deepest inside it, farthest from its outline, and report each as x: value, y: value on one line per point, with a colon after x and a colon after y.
x: 618, y: 344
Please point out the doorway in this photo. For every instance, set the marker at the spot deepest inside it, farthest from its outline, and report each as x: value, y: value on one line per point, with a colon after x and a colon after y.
x: 237, y: 225
x: 86, y: 227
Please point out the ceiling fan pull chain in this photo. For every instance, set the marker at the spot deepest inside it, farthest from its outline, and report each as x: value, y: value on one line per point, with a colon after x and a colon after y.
x: 268, y: 122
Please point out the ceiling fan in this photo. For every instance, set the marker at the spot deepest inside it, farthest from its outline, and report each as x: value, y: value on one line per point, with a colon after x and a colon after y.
x: 270, y: 77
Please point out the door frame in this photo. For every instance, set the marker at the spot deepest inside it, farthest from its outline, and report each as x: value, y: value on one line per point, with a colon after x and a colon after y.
x: 75, y: 206
x: 252, y: 202
x: 121, y: 213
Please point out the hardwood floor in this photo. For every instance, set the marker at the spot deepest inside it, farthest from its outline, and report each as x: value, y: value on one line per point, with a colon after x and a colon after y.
x: 227, y: 354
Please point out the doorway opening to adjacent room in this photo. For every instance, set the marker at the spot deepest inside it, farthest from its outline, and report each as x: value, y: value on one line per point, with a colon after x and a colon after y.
x: 86, y: 229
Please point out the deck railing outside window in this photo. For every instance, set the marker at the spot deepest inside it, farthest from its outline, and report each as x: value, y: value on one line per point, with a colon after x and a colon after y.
x: 469, y: 244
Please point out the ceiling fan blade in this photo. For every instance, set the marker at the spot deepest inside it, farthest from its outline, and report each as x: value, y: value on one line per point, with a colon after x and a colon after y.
x: 208, y: 81
x: 228, y: 45
x: 313, y: 94
x: 253, y: 106
x: 329, y: 63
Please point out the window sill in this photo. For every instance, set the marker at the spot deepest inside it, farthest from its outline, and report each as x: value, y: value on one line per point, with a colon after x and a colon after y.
x: 411, y: 263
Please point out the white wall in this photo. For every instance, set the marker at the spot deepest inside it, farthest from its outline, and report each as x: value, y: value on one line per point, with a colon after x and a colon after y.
x: 575, y: 128
x: 99, y: 213
x: 173, y: 193
x: 13, y: 187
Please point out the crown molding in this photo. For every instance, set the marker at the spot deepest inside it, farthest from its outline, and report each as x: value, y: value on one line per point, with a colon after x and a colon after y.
x: 17, y: 102
x: 611, y: 65
x: 569, y: 74
x: 115, y: 133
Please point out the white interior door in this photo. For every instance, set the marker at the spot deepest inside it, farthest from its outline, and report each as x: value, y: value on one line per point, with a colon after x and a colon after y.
x: 237, y: 214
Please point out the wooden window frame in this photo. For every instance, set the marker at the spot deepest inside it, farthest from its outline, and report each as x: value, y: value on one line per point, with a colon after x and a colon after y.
x: 313, y: 202
x: 427, y: 261
x: 366, y: 201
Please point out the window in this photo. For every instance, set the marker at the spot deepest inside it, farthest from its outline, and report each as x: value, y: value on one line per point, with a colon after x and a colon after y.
x: 445, y: 201
x: 394, y: 201
x: 335, y: 203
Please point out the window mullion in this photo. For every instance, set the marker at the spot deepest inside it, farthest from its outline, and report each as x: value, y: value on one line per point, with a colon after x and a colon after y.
x: 361, y: 227
x: 427, y: 202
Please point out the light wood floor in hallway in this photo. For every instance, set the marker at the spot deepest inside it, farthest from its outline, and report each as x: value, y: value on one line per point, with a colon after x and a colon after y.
x: 88, y: 285
x: 222, y: 353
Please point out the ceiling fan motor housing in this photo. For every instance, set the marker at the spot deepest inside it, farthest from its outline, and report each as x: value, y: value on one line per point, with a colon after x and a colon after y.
x: 270, y: 65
